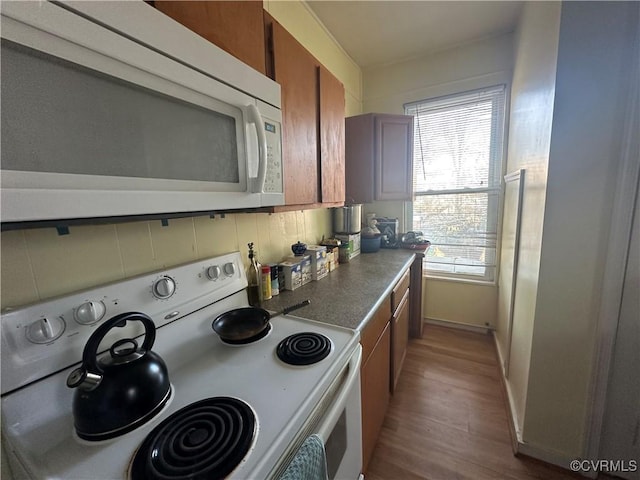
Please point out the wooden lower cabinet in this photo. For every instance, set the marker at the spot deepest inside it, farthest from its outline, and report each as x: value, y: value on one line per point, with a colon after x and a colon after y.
x: 375, y: 394
x: 384, y: 346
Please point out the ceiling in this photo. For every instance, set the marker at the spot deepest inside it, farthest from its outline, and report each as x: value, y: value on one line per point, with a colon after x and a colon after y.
x: 383, y: 32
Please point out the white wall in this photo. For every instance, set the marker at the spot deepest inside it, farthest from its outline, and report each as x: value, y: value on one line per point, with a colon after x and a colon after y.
x: 460, y: 303
x: 592, y: 88
x: 385, y: 90
x: 532, y: 94
x: 487, y: 62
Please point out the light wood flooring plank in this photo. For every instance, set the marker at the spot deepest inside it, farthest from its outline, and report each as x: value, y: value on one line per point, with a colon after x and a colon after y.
x: 447, y: 419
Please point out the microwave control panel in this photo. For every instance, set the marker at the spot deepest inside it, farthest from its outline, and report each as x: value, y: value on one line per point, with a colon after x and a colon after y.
x: 273, y: 179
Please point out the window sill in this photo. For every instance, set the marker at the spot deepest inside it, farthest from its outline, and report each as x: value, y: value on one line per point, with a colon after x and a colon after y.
x: 485, y: 283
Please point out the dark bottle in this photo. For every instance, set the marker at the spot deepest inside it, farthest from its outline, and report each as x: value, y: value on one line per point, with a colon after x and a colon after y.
x: 253, y: 278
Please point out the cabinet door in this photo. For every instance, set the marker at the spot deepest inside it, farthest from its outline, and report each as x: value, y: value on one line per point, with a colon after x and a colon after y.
x: 359, y: 157
x: 399, y: 339
x: 394, y: 157
x: 331, y: 161
x: 375, y: 394
x: 295, y: 71
x: 234, y: 26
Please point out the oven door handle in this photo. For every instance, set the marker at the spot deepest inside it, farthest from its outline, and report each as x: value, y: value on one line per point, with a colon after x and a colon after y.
x: 256, y: 119
x: 332, y: 416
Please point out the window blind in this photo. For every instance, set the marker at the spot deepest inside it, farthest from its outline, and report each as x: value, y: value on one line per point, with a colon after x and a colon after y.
x: 457, y: 174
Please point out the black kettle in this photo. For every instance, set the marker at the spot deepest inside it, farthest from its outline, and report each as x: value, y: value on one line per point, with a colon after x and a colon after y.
x: 120, y: 391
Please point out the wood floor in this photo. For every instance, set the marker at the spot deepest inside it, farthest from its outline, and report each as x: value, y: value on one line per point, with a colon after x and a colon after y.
x: 447, y: 419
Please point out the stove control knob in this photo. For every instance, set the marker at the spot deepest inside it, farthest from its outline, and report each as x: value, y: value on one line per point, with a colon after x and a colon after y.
x: 89, y: 313
x: 229, y: 269
x: 164, y: 287
x: 213, y: 272
x: 45, y: 330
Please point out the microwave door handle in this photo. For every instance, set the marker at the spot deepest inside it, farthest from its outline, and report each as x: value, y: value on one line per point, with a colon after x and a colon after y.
x: 256, y: 119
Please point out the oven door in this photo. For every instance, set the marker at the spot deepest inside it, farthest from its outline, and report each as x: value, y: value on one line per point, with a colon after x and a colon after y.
x: 95, y: 124
x: 341, y: 427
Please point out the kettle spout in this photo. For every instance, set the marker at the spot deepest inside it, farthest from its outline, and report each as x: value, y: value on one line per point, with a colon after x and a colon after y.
x: 84, y: 380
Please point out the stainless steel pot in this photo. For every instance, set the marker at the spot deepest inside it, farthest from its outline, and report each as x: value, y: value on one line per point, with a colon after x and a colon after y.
x: 347, y: 219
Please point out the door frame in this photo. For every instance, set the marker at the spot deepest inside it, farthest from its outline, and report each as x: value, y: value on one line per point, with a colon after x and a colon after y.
x: 625, y: 202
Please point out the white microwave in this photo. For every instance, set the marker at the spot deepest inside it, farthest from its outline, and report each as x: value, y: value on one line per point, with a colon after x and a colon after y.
x: 114, y: 109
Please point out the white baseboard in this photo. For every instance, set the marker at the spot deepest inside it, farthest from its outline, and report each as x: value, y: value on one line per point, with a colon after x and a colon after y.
x: 459, y: 325
x: 554, y: 458
x: 514, y: 430
x: 500, y: 354
x: 521, y: 447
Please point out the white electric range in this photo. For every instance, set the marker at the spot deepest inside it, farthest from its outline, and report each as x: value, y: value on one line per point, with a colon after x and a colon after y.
x: 43, y: 343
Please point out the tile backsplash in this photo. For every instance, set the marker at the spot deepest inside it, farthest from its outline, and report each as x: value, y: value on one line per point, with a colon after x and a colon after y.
x: 38, y: 264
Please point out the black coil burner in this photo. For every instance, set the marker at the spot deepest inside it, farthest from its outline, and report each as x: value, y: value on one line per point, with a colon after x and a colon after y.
x: 204, y: 440
x: 303, y: 348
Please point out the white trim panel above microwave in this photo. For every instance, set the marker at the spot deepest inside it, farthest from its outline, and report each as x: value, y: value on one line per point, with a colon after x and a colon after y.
x: 41, y: 181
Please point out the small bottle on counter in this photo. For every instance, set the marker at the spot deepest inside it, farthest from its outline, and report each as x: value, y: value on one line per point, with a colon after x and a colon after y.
x: 253, y: 278
x: 275, y: 284
x: 265, y: 282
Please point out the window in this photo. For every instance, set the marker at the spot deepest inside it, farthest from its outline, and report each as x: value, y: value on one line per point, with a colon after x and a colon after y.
x: 457, y: 172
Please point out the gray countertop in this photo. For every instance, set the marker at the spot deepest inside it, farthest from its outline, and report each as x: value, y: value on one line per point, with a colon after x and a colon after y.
x: 349, y: 295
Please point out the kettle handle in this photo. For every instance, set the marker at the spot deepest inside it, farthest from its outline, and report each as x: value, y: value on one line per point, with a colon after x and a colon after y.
x: 90, y: 352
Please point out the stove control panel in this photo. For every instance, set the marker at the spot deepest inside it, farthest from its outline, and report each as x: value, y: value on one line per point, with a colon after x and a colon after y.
x: 43, y: 338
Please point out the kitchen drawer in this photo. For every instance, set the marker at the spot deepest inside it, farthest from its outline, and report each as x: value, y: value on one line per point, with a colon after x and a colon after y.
x: 372, y: 331
x: 399, y: 291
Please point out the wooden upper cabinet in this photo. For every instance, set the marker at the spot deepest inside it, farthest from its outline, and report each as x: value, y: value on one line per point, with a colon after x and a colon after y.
x: 379, y: 151
x: 294, y: 68
x: 313, y: 106
x: 234, y: 26
x: 332, y: 150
